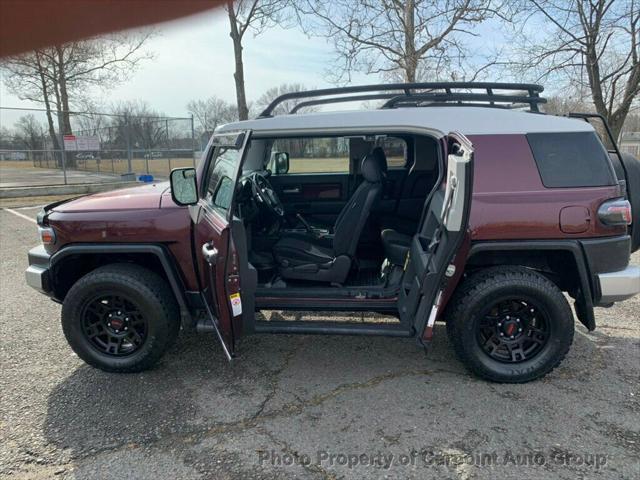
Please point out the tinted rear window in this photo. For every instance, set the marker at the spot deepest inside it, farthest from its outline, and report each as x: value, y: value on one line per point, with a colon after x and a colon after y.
x: 575, y: 159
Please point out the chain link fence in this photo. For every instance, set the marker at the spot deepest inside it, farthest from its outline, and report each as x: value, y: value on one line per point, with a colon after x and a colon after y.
x: 93, y: 147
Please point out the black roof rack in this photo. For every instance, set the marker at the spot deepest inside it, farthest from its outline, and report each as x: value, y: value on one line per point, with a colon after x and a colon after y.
x: 419, y: 95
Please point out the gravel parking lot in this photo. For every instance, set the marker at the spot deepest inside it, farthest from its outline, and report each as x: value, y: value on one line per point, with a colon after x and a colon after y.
x: 306, y: 406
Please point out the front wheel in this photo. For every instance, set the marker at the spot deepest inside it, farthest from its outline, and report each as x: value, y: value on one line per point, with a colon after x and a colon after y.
x: 120, y: 318
x: 510, y: 324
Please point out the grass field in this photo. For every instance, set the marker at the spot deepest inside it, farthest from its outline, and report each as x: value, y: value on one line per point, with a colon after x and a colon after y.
x: 331, y: 165
x: 161, y: 167
x: 154, y: 166
x: 117, y: 166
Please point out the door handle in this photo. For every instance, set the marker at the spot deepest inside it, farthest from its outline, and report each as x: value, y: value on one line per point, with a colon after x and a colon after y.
x: 291, y: 190
x: 210, y: 253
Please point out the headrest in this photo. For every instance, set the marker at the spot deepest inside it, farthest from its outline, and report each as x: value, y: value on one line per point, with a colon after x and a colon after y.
x: 381, y: 157
x: 374, y: 165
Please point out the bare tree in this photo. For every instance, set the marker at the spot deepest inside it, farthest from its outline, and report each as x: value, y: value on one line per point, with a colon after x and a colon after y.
x: 245, y: 15
x: 274, y: 92
x: 136, y: 124
x: 29, y: 132
x: 210, y: 113
x: 28, y: 76
x: 591, y: 47
x: 417, y: 39
x: 90, y: 122
x: 632, y: 123
x: 59, y: 76
x: 559, y: 105
x: 7, y: 139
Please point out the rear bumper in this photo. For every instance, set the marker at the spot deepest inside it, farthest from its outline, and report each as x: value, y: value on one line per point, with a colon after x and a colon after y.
x: 613, y: 279
x: 37, y: 275
x: 620, y: 285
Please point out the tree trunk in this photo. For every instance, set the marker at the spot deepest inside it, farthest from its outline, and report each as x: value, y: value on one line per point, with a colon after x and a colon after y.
x: 64, y: 97
x: 410, y: 60
x: 61, y: 112
x: 616, y: 120
x: 238, y: 76
x: 47, y: 105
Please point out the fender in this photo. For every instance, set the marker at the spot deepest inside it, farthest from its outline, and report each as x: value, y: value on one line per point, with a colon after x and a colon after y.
x: 159, y: 251
x: 584, y: 300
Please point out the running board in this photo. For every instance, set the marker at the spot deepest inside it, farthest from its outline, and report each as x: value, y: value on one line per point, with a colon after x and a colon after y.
x: 325, y: 304
x: 334, y: 328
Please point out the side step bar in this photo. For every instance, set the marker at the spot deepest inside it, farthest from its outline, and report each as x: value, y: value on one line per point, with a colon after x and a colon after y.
x: 324, y: 304
x: 334, y: 328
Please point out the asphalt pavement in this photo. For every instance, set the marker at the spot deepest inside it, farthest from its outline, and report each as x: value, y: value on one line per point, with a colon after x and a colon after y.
x: 305, y: 406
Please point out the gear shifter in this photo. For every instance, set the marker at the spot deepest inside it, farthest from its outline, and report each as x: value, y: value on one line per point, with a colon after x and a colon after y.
x: 306, y: 225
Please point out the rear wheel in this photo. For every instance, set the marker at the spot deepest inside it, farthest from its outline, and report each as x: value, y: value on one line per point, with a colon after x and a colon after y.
x: 510, y: 324
x: 120, y: 318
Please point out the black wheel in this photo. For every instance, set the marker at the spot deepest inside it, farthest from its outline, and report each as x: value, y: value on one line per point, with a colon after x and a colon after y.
x: 120, y: 318
x: 509, y: 324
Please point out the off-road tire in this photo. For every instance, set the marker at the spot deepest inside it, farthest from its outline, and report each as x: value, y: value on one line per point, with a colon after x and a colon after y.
x: 490, y: 285
x: 148, y: 291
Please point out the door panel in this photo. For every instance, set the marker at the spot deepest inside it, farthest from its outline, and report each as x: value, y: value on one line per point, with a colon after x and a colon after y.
x: 318, y: 196
x: 214, y: 246
x: 212, y: 234
x: 442, y: 229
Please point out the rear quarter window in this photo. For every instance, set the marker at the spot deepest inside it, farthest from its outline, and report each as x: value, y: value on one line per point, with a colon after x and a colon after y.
x: 573, y: 159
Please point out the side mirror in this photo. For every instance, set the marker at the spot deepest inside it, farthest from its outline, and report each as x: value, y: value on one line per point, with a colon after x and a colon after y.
x: 281, y: 163
x: 184, y: 190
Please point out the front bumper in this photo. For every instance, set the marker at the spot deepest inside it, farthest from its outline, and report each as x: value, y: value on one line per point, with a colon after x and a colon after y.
x: 620, y: 285
x: 37, y: 275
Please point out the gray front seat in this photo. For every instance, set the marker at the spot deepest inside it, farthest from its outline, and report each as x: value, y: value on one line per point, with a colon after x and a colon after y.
x: 329, y: 259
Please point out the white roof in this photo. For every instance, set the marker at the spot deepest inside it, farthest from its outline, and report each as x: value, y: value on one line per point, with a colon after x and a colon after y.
x: 441, y: 120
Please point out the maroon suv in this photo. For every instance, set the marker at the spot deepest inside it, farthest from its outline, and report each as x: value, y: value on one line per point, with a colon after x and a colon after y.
x: 446, y: 203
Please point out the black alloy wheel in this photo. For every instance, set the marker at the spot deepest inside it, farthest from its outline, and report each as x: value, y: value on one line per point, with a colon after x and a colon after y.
x: 513, y: 330
x: 120, y: 317
x: 509, y: 323
x: 114, y: 325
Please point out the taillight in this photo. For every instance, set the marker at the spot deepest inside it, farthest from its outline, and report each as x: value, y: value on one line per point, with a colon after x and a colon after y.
x: 615, y: 212
x: 47, y: 235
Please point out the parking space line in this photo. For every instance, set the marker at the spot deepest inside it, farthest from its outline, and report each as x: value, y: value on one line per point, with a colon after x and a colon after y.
x: 18, y: 214
x: 588, y: 337
x: 28, y: 207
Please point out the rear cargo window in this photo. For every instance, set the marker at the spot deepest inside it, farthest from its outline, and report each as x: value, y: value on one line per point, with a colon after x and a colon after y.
x: 574, y: 159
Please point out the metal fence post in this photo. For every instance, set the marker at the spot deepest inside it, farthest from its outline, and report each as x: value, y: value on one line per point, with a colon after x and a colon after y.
x: 64, y: 159
x: 127, y: 128
x: 193, y: 142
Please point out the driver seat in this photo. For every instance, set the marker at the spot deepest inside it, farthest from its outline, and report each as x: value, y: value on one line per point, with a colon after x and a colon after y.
x: 328, y: 259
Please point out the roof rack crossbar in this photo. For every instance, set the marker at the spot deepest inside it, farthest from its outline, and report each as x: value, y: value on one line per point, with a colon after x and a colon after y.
x: 442, y: 98
x: 344, y: 99
x: 408, y: 89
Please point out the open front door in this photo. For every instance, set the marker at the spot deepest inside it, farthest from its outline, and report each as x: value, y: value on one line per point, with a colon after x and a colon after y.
x: 429, y: 266
x: 215, y: 249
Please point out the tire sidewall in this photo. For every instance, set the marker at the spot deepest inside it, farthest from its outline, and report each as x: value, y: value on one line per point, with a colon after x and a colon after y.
x: 87, y: 290
x: 560, y: 333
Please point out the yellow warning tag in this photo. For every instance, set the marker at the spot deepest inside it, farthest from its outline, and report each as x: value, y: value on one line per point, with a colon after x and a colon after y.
x: 236, y: 304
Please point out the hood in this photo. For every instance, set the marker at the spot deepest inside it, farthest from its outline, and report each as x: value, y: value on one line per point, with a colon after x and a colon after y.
x: 135, y: 198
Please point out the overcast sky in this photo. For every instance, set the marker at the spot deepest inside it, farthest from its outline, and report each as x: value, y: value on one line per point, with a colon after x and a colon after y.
x: 194, y: 60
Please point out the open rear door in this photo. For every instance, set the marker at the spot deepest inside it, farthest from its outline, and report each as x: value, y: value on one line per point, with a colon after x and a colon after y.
x: 429, y: 266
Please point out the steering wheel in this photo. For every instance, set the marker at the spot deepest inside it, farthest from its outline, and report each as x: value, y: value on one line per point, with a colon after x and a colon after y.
x: 264, y: 194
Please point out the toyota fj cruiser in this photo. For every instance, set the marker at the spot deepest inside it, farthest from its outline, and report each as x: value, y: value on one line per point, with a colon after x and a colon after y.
x: 447, y: 203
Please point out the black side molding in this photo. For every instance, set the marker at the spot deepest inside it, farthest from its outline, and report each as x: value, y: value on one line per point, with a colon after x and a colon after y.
x: 159, y: 251
x: 584, y: 300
